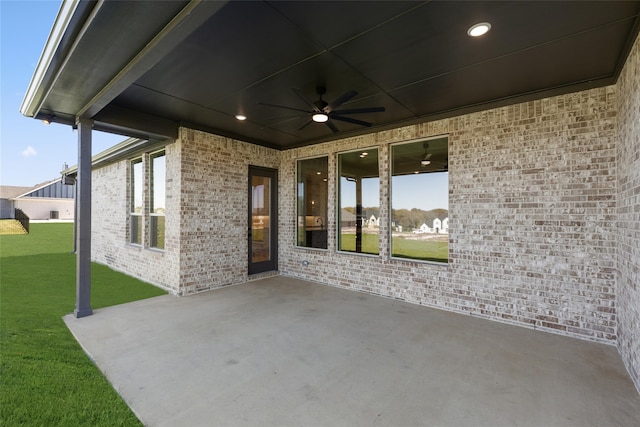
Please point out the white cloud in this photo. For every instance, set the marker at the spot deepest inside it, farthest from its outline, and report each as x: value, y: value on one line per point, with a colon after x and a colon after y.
x: 29, y: 152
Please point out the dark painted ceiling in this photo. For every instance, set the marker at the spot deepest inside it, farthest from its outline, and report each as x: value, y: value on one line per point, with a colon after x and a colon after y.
x: 415, y: 59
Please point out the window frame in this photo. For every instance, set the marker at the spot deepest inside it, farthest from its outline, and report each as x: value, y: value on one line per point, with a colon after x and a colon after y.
x: 138, y: 216
x: 338, y: 202
x: 324, y: 214
x: 391, y: 206
x: 153, y: 233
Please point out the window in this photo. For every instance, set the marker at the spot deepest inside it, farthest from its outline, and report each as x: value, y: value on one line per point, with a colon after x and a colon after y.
x: 135, y: 203
x: 420, y: 200
x: 147, y: 191
x: 359, y: 202
x: 157, y: 204
x: 312, y: 202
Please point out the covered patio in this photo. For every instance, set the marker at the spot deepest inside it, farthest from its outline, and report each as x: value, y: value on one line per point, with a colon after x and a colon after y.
x: 534, y: 124
x: 282, y: 351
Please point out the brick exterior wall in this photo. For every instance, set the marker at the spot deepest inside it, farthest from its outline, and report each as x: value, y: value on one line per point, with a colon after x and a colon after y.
x: 110, y: 226
x: 531, y: 216
x: 531, y: 210
x: 628, y: 175
x: 213, y: 208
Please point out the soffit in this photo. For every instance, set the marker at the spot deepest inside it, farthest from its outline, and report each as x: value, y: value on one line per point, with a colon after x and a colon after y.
x: 413, y: 58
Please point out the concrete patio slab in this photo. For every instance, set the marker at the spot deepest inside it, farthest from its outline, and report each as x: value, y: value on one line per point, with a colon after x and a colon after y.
x: 284, y: 352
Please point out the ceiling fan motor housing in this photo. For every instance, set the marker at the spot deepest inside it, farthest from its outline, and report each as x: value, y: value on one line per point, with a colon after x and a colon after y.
x: 321, y: 104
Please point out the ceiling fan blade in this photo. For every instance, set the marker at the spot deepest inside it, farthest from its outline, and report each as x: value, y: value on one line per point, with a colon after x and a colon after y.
x: 361, y: 110
x: 305, y: 125
x: 306, y: 100
x: 285, y: 117
x: 350, y: 120
x: 331, y: 126
x: 344, y: 98
x: 284, y: 121
x: 284, y: 107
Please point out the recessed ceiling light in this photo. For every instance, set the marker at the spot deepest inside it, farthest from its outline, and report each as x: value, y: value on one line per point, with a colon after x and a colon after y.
x: 479, y: 29
x: 320, y: 118
x: 241, y: 117
x: 318, y: 173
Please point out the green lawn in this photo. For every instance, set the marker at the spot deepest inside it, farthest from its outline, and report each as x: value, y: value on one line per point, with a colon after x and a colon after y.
x: 422, y: 250
x: 405, y: 248
x: 45, y: 377
x: 370, y: 243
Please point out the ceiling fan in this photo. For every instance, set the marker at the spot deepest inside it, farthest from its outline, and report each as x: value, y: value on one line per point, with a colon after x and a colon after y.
x: 321, y: 111
x: 409, y: 162
x: 426, y: 161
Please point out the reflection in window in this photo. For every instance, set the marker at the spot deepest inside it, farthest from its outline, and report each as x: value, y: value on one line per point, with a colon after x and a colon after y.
x: 359, y: 202
x: 312, y: 202
x: 157, y: 205
x: 420, y: 200
x: 260, y: 218
x: 135, y: 203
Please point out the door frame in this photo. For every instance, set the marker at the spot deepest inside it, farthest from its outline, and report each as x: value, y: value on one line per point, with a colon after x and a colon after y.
x: 271, y: 264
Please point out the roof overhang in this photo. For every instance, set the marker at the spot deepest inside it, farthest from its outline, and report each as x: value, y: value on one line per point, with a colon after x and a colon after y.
x: 144, y: 69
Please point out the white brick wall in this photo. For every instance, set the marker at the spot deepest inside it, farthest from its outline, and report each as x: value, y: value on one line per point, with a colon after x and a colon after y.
x: 532, y: 218
x: 628, y: 219
x: 110, y: 195
x: 213, y: 208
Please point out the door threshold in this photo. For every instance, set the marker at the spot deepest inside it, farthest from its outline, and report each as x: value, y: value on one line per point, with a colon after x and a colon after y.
x: 264, y: 275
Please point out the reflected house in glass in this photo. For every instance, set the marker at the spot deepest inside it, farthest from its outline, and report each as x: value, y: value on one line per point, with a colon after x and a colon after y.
x: 347, y: 219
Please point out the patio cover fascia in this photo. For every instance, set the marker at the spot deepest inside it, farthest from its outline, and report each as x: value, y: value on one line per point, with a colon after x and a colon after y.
x: 77, y: 53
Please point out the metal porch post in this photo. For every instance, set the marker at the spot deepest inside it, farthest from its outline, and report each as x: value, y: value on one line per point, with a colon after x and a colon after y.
x: 83, y: 220
x: 359, y: 214
x: 75, y: 218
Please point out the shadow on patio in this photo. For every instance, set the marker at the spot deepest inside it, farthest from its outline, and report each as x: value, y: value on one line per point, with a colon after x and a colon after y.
x: 285, y: 352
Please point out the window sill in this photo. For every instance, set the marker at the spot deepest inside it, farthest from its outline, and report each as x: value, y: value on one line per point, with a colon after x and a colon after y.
x: 419, y: 261
x: 361, y: 254
x: 311, y: 249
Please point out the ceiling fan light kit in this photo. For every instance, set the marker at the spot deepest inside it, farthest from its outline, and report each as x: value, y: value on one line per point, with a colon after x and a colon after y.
x: 320, y: 117
x: 322, y: 112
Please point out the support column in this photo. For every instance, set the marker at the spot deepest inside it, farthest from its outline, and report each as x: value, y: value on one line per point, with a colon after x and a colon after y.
x: 359, y: 217
x: 76, y: 215
x: 83, y: 220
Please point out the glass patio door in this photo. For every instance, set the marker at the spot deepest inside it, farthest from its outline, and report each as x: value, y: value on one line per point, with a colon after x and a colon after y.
x: 263, y: 219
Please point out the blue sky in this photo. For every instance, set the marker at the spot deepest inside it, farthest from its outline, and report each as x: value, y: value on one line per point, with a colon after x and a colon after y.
x: 423, y: 191
x: 30, y: 151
